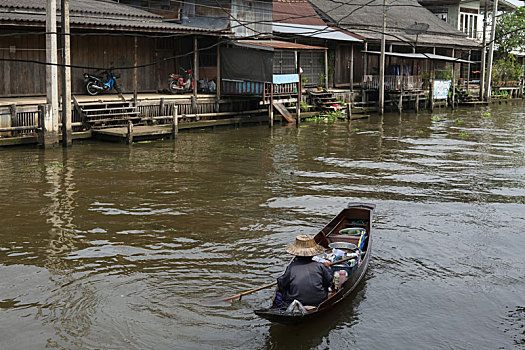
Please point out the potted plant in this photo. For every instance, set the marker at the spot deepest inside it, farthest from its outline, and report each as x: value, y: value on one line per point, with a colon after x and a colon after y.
x: 320, y: 83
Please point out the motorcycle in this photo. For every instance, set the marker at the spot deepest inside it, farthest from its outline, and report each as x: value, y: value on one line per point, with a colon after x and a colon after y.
x: 95, y: 84
x: 178, y: 83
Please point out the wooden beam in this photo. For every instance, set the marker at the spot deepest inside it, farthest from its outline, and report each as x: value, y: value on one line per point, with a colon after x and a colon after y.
x: 13, y: 112
x: 488, y: 90
x: 218, y: 72
x: 271, y: 104
x: 483, y: 54
x: 175, y: 121
x: 50, y: 127
x: 382, y: 64
x: 67, y: 130
x: 326, y: 68
x: 195, y: 70
x: 129, y: 135
x: 352, y: 68
x: 299, y: 86
x: 135, y: 72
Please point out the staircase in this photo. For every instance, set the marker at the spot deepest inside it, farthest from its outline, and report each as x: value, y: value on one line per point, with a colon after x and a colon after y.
x: 106, y: 114
x: 463, y: 96
x: 323, y: 100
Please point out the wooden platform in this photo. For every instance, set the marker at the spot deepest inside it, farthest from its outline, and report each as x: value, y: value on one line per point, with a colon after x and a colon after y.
x: 151, y: 132
x: 473, y: 103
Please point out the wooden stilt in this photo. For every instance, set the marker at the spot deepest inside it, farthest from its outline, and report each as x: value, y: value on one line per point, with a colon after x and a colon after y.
x: 175, y: 122
x: 129, y: 136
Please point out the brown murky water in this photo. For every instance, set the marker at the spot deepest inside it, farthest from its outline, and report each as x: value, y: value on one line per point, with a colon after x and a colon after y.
x: 115, y: 247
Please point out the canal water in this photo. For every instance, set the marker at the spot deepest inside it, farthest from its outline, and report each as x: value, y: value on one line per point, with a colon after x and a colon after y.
x: 111, y: 246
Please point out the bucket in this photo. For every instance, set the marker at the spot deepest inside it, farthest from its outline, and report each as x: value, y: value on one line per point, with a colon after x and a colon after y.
x: 352, y: 231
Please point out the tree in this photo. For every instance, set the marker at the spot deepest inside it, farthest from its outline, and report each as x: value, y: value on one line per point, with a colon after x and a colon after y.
x: 509, y: 32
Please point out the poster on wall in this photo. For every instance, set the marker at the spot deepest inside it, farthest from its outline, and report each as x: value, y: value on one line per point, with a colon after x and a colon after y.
x: 441, y: 88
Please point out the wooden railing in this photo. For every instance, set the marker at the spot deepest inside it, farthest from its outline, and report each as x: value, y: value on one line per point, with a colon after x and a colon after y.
x: 241, y: 87
x: 394, y: 82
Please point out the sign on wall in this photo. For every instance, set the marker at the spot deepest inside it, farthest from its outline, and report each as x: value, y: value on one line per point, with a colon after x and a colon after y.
x: 441, y: 89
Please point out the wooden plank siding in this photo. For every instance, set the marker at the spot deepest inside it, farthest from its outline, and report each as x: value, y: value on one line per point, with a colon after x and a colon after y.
x: 28, y: 79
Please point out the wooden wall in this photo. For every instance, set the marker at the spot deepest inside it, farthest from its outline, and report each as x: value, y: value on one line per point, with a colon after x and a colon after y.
x: 17, y: 78
x: 28, y: 79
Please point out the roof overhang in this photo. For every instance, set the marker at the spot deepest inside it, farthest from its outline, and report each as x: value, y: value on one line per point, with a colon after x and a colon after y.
x: 276, y: 45
x: 421, y: 56
x: 314, y: 31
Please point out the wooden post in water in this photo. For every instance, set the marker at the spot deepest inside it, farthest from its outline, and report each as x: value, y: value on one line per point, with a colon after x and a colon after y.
x: 175, y: 121
x: 218, y: 74
x: 135, y: 72
x: 482, y: 75
x: 299, y: 86
x: 468, y: 70
x: 195, y: 68
x: 51, y: 115
x: 270, y: 111
x: 431, y: 89
x: 365, y: 70
x: 349, y: 110
x: 161, y: 107
x: 326, y: 68
x: 42, y: 111
x: 129, y: 136
x: 352, y: 68
x: 490, y: 58
x: 453, y: 96
x: 67, y: 131
x: 13, y: 110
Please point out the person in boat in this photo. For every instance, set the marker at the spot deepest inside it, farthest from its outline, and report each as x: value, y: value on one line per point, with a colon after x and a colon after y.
x: 304, y: 280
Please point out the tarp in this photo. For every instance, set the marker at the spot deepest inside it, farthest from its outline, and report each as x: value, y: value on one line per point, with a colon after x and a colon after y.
x: 245, y: 64
x: 285, y: 78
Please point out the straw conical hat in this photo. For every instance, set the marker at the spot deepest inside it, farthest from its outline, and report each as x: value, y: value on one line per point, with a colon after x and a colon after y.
x: 304, y: 246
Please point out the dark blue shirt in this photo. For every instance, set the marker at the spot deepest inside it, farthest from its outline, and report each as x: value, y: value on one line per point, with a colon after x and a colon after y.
x: 305, y: 280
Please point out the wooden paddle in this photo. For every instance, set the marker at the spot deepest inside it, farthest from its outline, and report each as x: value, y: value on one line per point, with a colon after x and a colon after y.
x: 240, y: 295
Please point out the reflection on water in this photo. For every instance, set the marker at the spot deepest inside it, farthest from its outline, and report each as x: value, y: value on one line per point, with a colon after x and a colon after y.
x: 110, y: 246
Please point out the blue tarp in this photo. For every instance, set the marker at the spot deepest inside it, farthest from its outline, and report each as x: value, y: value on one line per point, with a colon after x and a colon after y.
x: 285, y: 78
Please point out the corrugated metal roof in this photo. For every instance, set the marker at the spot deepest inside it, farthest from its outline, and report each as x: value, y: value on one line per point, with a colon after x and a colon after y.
x: 280, y: 45
x: 104, y: 15
x: 436, y: 40
x: 297, y: 12
x: 365, y: 17
x: 84, y: 6
x: 319, y: 32
x: 422, y: 56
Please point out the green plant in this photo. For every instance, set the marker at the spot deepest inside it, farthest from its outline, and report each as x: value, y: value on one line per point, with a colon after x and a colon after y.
x: 321, y: 82
x: 506, y: 69
x: 458, y: 120
x: 464, y: 134
x: 485, y: 115
x: 304, y: 81
x: 445, y: 73
x: 436, y: 118
x: 304, y: 106
x: 500, y: 93
x: 419, y: 131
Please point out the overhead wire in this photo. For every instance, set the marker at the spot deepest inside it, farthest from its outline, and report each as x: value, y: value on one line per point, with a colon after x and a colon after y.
x: 240, y: 23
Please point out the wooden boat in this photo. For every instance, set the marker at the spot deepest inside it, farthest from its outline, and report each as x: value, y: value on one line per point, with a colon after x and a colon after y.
x: 356, y: 215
